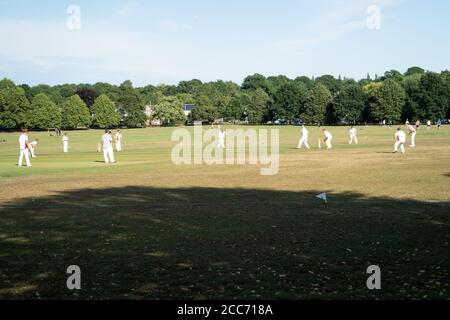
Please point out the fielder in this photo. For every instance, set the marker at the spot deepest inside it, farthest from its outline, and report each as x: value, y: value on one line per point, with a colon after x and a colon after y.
x: 33, y: 147
x: 24, y: 148
x: 328, y: 139
x: 400, y: 140
x: 65, y: 141
x: 108, y: 151
x: 412, y: 132
x: 118, y: 138
x: 353, y: 135
x: 304, y: 139
x: 221, y: 144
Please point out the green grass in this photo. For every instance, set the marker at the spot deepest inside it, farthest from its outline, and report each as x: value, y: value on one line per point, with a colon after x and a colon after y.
x: 147, y: 229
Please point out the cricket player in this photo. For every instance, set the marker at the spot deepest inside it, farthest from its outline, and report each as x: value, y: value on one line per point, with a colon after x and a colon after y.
x: 353, y: 135
x: 429, y: 124
x: 400, y: 140
x: 412, y: 132
x: 65, y: 141
x: 118, y: 138
x: 304, y: 139
x: 33, y: 147
x: 328, y: 139
x: 24, y: 148
x: 108, y: 151
x: 221, y: 144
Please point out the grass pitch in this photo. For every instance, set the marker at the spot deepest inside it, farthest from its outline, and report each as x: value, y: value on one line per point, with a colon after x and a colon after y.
x: 147, y: 229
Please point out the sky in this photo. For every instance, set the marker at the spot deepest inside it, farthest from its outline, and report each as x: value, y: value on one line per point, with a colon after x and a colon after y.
x: 156, y: 41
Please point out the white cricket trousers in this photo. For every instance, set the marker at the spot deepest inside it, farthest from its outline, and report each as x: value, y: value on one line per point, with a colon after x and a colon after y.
x: 303, y: 141
x: 401, y: 145
x: 66, y: 146
x: 413, y: 139
x: 119, y: 146
x: 221, y: 144
x: 353, y: 138
x: 32, y: 152
x: 329, y: 145
x: 25, y: 153
x: 108, y: 154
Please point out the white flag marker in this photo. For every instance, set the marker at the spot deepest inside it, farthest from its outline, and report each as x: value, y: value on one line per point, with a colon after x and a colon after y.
x: 323, y: 196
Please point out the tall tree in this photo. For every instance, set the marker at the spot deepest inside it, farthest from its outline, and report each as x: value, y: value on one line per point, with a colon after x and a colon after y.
x: 317, y: 102
x: 289, y: 100
x: 169, y: 112
x: 258, y: 106
x: 333, y: 85
x: 75, y: 113
x: 45, y: 113
x: 388, y: 101
x: 412, y: 109
x: 254, y: 82
x: 14, y: 108
x: 131, y: 106
x: 349, y: 103
x: 88, y: 95
x: 433, y: 96
x: 104, y: 112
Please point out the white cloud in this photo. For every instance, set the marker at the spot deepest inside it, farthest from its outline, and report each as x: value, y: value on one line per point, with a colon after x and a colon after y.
x: 128, y: 10
x: 50, y: 48
x: 168, y: 24
x: 337, y: 19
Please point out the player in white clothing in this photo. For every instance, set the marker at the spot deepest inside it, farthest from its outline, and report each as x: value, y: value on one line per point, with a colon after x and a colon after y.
x: 118, y: 138
x: 24, y: 148
x: 33, y: 147
x: 108, y: 151
x: 412, y: 132
x: 400, y: 140
x: 65, y: 141
x: 304, y: 139
x: 328, y: 139
x: 353, y: 135
x: 221, y: 144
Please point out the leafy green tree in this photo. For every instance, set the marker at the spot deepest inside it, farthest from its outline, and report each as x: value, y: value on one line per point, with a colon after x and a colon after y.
x: 288, y: 101
x: 413, y: 71
x: 317, y: 102
x: 192, y: 87
x: 393, y: 75
x: 236, y: 108
x: 205, y: 113
x: 75, y: 113
x: 6, y: 84
x: 306, y: 81
x: 258, y: 106
x: 169, y: 112
x: 433, y: 96
x: 104, y: 112
x: 14, y: 108
x: 45, y: 113
x: 412, y: 109
x: 131, y: 106
x: 254, y: 82
x: 388, y: 101
x: 333, y: 85
x: 349, y: 103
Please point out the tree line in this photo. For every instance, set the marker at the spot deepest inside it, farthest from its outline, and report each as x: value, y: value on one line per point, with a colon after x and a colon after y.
x: 415, y: 95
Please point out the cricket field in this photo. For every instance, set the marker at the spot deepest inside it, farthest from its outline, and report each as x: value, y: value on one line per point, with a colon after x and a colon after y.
x: 145, y: 228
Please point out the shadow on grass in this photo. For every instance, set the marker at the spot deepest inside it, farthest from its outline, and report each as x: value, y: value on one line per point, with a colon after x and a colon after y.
x: 204, y: 243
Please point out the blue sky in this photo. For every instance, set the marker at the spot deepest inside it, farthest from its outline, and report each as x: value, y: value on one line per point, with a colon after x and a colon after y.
x: 153, y: 42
